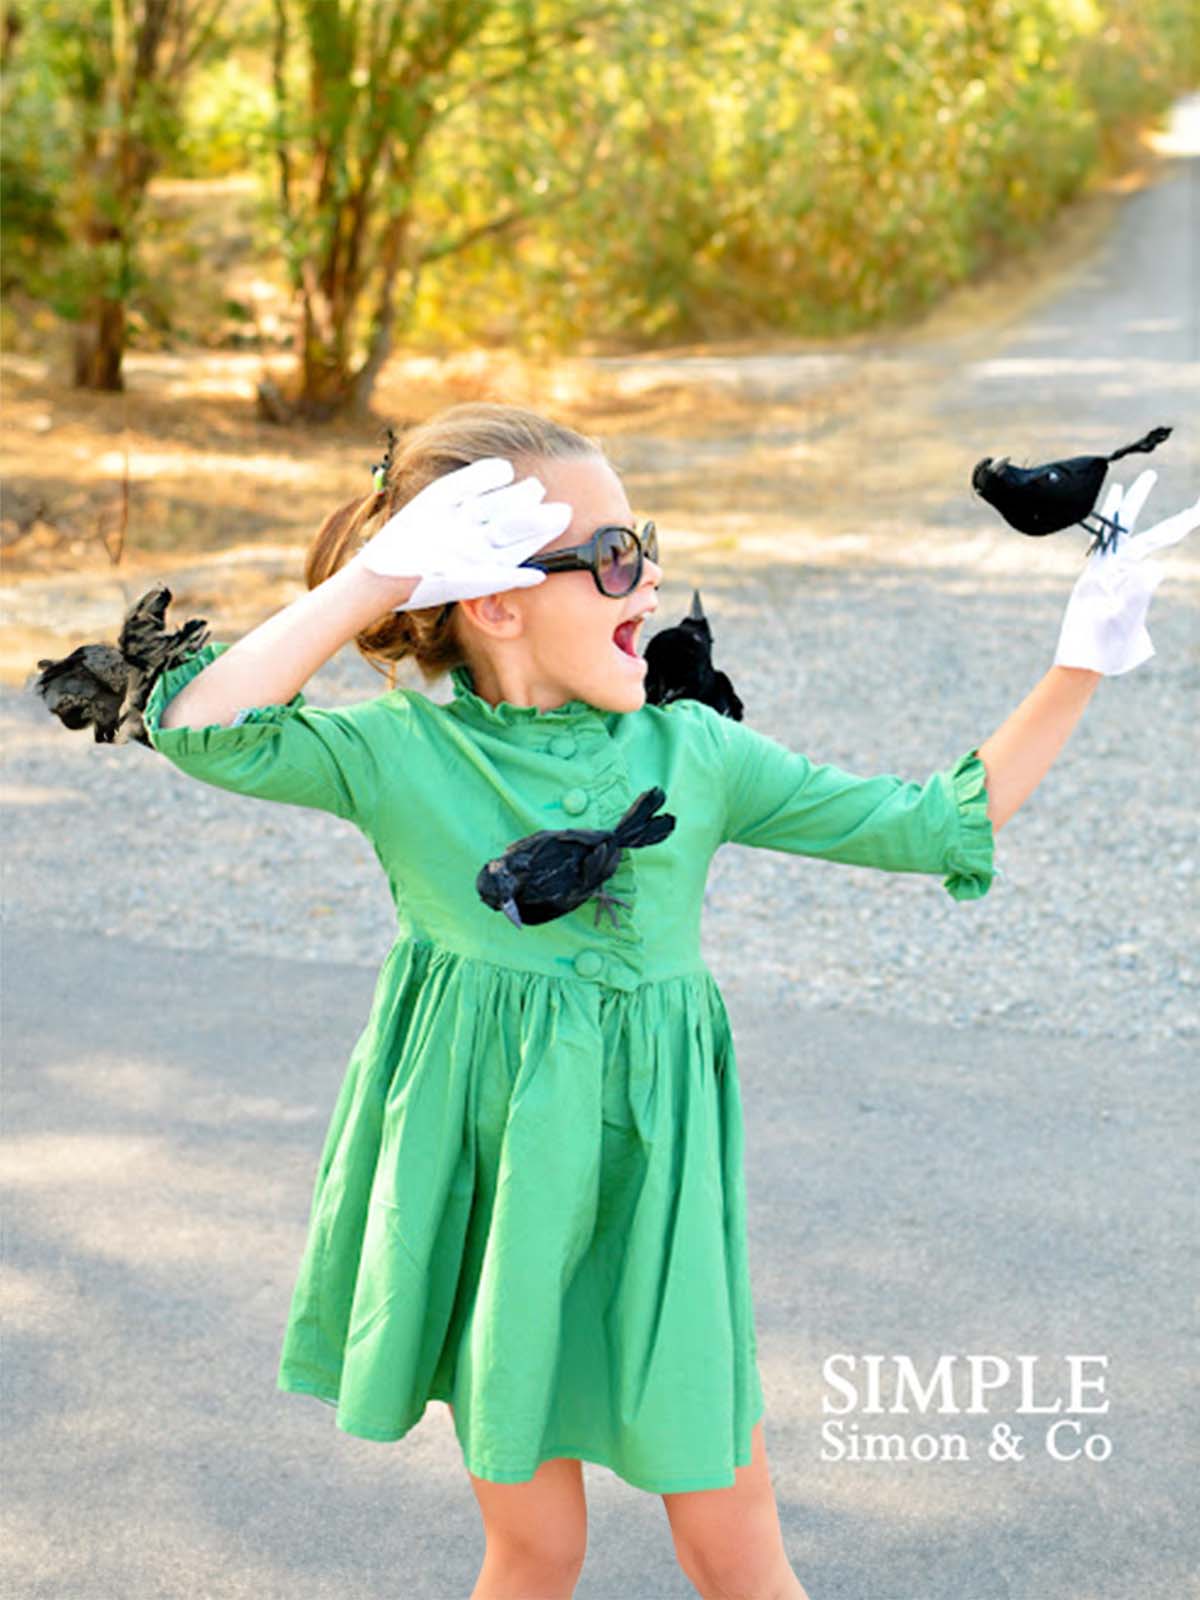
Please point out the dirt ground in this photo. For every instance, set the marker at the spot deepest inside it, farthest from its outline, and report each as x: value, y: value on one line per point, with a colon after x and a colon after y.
x: 178, y: 479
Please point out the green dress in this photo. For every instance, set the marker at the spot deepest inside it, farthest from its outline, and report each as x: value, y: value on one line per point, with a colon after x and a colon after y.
x: 530, y: 1201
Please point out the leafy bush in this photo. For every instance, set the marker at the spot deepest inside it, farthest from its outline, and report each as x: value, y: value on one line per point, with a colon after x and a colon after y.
x: 814, y: 177
x: 731, y: 166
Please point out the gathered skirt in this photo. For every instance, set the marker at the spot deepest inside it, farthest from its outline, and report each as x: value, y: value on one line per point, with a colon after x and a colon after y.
x: 531, y: 1204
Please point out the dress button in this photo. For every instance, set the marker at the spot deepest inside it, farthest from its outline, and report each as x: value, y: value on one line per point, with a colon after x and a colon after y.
x: 575, y: 801
x: 563, y: 745
x: 588, y: 964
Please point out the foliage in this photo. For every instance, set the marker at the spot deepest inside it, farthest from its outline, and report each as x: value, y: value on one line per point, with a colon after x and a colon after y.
x: 602, y: 171
x: 45, y: 76
x: 820, y: 175
x: 225, y: 122
x: 94, y: 89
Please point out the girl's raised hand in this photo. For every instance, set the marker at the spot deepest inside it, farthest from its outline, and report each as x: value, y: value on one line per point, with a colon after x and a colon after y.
x: 1104, y: 628
x: 466, y: 534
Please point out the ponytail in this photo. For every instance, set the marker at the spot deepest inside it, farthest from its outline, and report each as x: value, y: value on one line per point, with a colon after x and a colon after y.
x: 452, y: 439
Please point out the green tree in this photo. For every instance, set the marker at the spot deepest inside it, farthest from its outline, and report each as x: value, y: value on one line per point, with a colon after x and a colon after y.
x: 99, y: 89
x: 362, y: 88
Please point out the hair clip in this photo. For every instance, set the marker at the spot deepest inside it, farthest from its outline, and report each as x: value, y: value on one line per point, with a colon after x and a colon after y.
x: 380, y: 470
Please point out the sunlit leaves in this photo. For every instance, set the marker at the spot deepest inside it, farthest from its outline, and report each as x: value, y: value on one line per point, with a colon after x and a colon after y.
x: 585, y: 170
x: 818, y: 170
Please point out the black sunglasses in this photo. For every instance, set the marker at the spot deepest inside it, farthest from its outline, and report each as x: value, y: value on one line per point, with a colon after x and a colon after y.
x: 614, y: 557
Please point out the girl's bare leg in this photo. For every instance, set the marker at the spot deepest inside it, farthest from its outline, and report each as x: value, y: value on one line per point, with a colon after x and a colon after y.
x: 536, y: 1534
x: 729, y: 1542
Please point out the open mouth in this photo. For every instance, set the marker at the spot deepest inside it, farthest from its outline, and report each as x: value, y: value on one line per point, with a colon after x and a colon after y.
x: 626, y: 635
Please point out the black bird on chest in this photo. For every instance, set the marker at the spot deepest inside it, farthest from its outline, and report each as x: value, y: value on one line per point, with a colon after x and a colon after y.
x: 105, y: 687
x: 547, y: 874
x: 679, y: 666
x: 1046, y: 499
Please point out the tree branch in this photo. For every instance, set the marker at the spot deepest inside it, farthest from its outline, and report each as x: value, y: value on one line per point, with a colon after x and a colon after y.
x: 544, y: 42
x: 150, y: 33
x: 278, y: 64
x: 510, y: 219
x: 203, y: 35
x: 569, y: 25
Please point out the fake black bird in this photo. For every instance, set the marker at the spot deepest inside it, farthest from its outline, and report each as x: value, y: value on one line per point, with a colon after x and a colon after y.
x: 679, y: 666
x: 547, y: 874
x: 105, y: 687
x: 1046, y: 499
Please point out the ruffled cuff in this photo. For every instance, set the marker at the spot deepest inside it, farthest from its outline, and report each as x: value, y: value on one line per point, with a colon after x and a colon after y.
x: 249, y: 726
x: 972, y: 861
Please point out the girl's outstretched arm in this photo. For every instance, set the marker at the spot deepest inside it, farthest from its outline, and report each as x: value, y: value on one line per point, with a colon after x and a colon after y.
x: 1103, y: 635
x: 1023, y: 748
x: 776, y: 799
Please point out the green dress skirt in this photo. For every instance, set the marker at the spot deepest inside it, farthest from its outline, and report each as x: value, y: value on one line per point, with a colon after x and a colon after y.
x: 531, y: 1198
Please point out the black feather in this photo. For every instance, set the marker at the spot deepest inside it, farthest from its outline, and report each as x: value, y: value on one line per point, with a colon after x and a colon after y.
x: 105, y: 687
x: 679, y: 666
x: 1058, y: 494
x: 549, y: 873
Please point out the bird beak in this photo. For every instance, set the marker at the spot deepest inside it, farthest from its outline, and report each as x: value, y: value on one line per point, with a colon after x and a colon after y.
x: 697, y: 611
x: 509, y: 908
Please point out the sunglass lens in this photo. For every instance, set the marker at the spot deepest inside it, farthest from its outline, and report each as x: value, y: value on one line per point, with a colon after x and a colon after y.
x: 617, y: 558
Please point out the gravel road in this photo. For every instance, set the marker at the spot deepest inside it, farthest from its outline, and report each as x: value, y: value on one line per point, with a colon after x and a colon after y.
x: 891, y: 639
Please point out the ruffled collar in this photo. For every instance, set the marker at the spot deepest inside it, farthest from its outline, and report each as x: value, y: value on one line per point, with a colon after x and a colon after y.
x: 507, y: 715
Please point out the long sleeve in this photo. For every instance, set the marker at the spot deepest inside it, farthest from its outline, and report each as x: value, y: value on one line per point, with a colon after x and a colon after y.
x: 777, y: 799
x: 295, y: 754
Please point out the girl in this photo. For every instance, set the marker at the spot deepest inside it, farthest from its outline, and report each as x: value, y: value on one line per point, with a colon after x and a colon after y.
x: 530, y: 1202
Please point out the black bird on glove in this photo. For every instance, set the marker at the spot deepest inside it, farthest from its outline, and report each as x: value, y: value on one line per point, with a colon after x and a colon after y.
x: 547, y: 874
x: 1046, y: 499
x: 105, y: 687
x: 679, y: 666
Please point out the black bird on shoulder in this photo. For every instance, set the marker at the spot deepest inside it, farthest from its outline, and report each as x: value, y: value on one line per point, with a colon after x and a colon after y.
x: 1046, y: 499
x: 105, y: 687
x: 679, y: 666
x: 547, y: 874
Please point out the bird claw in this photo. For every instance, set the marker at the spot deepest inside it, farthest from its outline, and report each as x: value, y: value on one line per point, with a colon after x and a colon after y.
x: 606, y: 902
x: 1105, y: 537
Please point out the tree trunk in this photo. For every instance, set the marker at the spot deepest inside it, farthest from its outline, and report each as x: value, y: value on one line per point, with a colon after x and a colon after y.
x: 100, y: 347
x: 327, y: 386
x: 134, y: 89
x: 326, y: 381
x: 364, y: 379
x: 99, y: 343
x: 383, y: 323
x: 334, y: 286
x: 115, y: 180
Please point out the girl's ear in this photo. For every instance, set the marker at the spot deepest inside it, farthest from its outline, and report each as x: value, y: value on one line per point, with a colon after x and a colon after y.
x: 494, y: 614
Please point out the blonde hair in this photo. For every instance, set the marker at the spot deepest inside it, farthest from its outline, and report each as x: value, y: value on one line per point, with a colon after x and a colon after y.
x: 451, y: 439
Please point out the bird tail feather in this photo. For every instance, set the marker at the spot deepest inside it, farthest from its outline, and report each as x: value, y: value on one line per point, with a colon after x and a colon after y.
x: 1151, y: 441
x: 639, y: 826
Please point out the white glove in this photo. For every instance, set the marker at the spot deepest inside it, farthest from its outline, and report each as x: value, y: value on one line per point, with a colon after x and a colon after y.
x: 465, y: 535
x: 1104, y: 628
